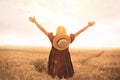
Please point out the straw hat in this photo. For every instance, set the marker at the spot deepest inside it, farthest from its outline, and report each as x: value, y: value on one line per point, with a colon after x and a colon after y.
x: 61, y: 42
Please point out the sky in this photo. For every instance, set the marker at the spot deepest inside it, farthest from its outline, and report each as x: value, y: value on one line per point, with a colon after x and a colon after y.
x: 16, y: 29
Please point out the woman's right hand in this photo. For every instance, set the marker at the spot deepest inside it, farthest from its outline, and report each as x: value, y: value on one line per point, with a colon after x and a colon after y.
x: 32, y: 19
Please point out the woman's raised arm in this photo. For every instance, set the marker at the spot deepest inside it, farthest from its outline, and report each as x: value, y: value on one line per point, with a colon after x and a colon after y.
x: 90, y: 23
x: 32, y: 19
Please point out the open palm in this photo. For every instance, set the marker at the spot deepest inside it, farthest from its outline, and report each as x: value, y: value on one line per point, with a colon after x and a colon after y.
x: 91, y: 23
x: 32, y: 19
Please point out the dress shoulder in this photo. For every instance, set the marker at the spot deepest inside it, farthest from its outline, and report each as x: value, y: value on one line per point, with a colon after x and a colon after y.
x: 50, y: 36
x: 72, y: 36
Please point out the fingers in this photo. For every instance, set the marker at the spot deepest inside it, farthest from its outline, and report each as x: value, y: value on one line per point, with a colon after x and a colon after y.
x: 91, y: 23
x: 32, y: 19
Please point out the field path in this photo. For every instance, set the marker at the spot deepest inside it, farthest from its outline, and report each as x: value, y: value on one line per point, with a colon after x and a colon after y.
x: 91, y: 57
x: 31, y: 64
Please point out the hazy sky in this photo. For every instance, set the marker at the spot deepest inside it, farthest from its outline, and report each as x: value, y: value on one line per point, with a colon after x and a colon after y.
x: 15, y: 28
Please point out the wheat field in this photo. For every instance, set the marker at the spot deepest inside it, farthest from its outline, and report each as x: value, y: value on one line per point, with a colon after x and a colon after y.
x: 30, y: 63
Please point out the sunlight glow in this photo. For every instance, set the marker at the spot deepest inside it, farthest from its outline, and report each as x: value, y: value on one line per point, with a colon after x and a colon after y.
x: 13, y: 40
x: 54, y: 19
x: 72, y: 14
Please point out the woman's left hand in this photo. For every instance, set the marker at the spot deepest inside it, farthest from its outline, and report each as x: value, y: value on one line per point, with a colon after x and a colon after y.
x: 91, y: 23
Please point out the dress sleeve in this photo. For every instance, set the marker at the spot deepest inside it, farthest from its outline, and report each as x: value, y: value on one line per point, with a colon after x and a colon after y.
x: 72, y: 36
x: 50, y: 36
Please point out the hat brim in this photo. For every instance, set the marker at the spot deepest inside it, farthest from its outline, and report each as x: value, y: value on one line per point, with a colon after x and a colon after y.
x: 59, y: 37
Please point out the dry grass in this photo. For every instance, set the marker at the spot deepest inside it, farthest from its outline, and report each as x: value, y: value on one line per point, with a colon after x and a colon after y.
x: 31, y: 64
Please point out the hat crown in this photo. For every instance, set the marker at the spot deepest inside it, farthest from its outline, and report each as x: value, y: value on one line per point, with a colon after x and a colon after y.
x: 62, y: 43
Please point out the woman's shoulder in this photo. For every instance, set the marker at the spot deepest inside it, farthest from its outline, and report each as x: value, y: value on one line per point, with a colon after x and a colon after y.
x: 50, y: 34
x: 72, y: 36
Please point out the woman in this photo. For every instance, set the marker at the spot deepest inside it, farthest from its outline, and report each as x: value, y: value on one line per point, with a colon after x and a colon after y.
x: 59, y: 62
